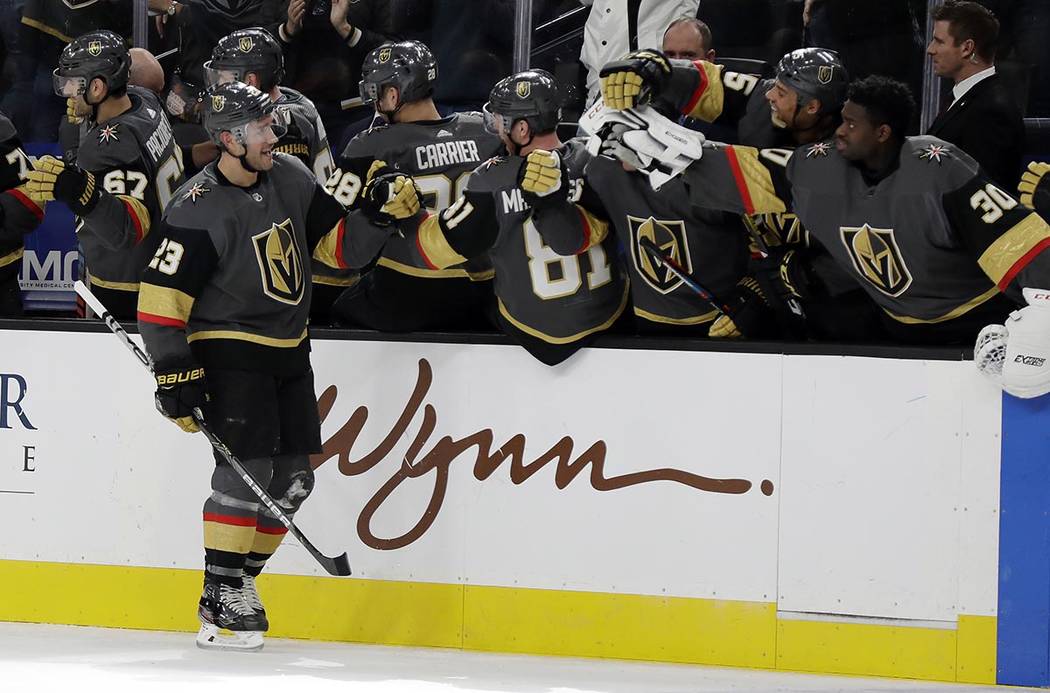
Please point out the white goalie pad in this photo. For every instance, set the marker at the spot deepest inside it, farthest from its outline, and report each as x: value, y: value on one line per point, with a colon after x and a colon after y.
x: 643, y: 139
x: 1017, y: 354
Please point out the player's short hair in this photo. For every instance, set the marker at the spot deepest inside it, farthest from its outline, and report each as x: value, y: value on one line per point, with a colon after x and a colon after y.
x: 887, y: 101
x: 701, y: 28
x: 969, y: 21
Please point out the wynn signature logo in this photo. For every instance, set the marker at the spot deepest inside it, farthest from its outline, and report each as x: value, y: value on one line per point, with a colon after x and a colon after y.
x: 434, y: 459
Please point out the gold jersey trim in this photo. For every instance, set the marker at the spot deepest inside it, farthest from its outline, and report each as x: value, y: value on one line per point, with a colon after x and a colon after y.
x: 961, y: 310
x: 597, y: 229
x: 425, y: 273
x: 12, y: 257
x: 754, y: 181
x: 696, y: 320
x: 142, y: 219
x: 711, y: 99
x: 165, y: 302
x: 345, y: 282
x: 248, y: 337
x: 1000, y: 257
x: 566, y: 340
x: 434, y: 247
x: 115, y: 286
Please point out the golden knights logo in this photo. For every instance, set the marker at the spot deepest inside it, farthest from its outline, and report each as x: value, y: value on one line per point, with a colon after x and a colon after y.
x: 523, y: 89
x: 280, y: 263
x: 246, y: 44
x: 877, y: 258
x: 384, y: 55
x: 825, y: 73
x: 95, y: 48
x: 669, y: 237
x: 218, y: 102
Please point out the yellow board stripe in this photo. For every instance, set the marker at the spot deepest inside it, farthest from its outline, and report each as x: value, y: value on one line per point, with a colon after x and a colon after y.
x: 247, y: 337
x: 1001, y: 256
x: 165, y: 302
x: 502, y: 619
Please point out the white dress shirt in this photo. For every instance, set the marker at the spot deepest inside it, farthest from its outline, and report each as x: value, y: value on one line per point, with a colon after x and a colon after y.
x: 605, y: 34
x: 967, y: 84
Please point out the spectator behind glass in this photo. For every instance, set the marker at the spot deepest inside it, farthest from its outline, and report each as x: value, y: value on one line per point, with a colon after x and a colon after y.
x: 328, y: 44
x: 687, y: 38
x: 616, y: 27
x: 983, y: 119
x: 871, y: 37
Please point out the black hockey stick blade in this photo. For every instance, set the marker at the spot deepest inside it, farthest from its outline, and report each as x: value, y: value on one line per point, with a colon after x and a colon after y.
x: 337, y: 565
x: 678, y: 271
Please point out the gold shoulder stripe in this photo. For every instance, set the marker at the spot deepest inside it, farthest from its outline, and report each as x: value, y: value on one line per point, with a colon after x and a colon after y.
x: 709, y: 99
x: 961, y: 310
x: 165, y: 302
x: 139, y: 216
x: 434, y: 247
x: 248, y: 337
x: 1009, y: 253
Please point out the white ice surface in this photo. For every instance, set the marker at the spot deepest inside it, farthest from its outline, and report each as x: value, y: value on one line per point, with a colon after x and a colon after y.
x: 41, y: 658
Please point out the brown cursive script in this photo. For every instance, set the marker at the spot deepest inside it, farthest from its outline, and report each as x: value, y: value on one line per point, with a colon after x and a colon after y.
x: 446, y: 450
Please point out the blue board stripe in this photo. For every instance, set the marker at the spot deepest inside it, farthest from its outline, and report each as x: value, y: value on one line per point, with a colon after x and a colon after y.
x: 1023, y: 646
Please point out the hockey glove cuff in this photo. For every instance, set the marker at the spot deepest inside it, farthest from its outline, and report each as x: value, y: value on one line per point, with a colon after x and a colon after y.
x: 179, y: 392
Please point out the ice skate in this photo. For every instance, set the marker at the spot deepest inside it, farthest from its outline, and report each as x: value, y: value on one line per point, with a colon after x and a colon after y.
x: 251, y: 595
x: 228, y: 621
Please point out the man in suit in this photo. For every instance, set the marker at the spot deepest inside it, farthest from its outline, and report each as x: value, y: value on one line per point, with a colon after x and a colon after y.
x: 983, y: 120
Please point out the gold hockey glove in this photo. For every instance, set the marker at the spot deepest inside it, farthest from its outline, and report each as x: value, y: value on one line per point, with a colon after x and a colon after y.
x: 389, y: 196
x: 51, y: 179
x: 635, y: 79
x: 1035, y: 187
x: 542, y: 173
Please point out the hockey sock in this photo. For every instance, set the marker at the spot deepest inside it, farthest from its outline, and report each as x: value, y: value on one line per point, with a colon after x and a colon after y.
x: 293, y: 480
x: 230, y: 522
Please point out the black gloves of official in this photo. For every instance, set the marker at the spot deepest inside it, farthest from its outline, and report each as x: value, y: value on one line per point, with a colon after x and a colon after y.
x: 635, y: 80
x: 179, y: 392
x: 389, y: 195
x: 51, y: 179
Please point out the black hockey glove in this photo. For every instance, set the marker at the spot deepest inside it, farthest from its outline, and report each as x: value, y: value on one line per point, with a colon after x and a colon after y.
x: 751, y: 315
x: 179, y: 392
x: 51, y: 179
x: 389, y: 195
x: 635, y: 79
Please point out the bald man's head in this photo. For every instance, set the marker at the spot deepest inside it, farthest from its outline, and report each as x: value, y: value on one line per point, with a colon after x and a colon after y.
x: 146, y: 71
x: 687, y: 38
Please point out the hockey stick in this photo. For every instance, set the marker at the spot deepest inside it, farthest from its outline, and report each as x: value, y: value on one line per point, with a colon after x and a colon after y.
x: 339, y: 565
x: 677, y: 270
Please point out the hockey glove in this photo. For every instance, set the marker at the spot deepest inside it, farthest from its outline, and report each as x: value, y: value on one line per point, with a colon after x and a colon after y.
x: 179, y: 392
x: 752, y: 316
x: 389, y: 196
x: 542, y: 177
x: 647, y: 142
x: 1035, y: 187
x: 635, y: 79
x: 71, y: 112
x: 1017, y: 355
x: 51, y: 179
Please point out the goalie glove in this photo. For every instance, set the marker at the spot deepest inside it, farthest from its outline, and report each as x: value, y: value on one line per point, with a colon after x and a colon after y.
x: 389, y: 196
x: 51, y: 179
x: 179, y: 392
x: 647, y: 142
x: 1017, y: 354
x: 1034, y: 187
x: 634, y: 80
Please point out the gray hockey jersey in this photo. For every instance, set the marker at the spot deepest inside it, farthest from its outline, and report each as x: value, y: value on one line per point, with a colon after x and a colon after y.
x: 20, y: 215
x: 930, y: 242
